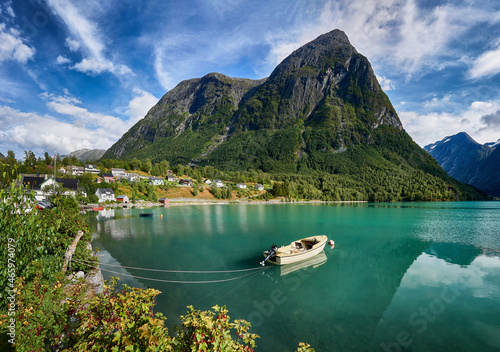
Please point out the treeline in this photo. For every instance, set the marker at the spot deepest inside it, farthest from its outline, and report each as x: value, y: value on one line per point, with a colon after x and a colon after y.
x: 381, y: 179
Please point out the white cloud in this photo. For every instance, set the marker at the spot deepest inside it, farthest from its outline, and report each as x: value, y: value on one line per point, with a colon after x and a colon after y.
x: 95, y: 66
x: 139, y: 106
x: 72, y: 44
x: 488, y: 64
x: 394, y: 31
x: 61, y: 60
x: 30, y: 131
x: 385, y: 83
x: 78, y: 128
x: 435, y: 102
x: 432, y: 127
x: 85, y: 35
x: 12, y: 46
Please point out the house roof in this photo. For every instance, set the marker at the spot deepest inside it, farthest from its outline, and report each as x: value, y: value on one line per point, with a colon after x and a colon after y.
x: 121, y: 196
x: 107, y: 175
x: 34, y: 182
x: 69, y: 183
x: 105, y: 190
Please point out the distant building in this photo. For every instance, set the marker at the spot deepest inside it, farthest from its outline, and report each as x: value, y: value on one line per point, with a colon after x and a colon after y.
x: 108, y: 177
x: 105, y: 194
x: 45, y: 186
x: 156, y: 181
x: 241, y: 186
x: 75, y: 170
x: 133, y: 177
x: 118, y: 173
x: 207, y: 182
x: 123, y: 199
x: 163, y: 201
x: 259, y: 187
x: 218, y: 183
x: 171, y: 178
x: 186, y: 182
x: 91, y: 169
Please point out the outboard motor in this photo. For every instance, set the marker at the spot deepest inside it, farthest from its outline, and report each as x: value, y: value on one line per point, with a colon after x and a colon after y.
x: 271, y: 254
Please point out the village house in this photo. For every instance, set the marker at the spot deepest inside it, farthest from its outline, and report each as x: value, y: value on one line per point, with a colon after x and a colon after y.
x: 123, y: 199
x: 107, y: 177
x: 118, y: 173
x: 207, y: 182
x: 91, y: 169
x: 186, y: 182
x: 133, y: 177
x: 259, y: 187
x: 218, y: 183
x: 75, y: 170
x: 43, y: 187
x: 156, y: 181
x: 241, y: 186
x: 163, y: 201
x: 171, y: 178
x: 105, y: 194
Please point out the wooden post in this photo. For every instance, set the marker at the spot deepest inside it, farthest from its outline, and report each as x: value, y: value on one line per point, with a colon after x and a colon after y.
x: 70, y: 251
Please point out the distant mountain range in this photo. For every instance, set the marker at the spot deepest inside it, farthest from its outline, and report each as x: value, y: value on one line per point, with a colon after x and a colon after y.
x: 88, y: 154
x: 469, y: 162
x: 321, y: 111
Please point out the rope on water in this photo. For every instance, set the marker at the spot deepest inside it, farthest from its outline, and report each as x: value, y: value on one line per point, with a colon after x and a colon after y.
x: 167, y: 281
x: 179, y: 271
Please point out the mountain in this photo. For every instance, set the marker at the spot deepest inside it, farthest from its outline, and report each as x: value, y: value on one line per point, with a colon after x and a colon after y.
x: 88, y: 154
x: 468, y: 161
x: 321, y: 110
x: 493, y: 144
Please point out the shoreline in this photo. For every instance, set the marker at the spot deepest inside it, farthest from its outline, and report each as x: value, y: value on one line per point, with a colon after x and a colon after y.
x: 187, y: 201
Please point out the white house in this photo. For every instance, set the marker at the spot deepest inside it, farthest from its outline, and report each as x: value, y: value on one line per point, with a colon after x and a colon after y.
x: 241, y: 186
x: 259, y: 187
x: 218, y: 183
x: 156, y: 181
x: 118, y: 173
x: 92, y: 169
x: 207, y: 181
x: 171, y: 178
x: 133, y: 177
x: 44, y: 187
x: 105, y: 194
x: 75, y: 170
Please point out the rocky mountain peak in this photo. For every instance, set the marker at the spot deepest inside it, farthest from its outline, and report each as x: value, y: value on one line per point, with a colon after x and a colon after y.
x: 325, y: 86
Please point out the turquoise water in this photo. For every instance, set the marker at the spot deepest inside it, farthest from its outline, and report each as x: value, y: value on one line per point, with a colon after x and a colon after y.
x: 402, y: 276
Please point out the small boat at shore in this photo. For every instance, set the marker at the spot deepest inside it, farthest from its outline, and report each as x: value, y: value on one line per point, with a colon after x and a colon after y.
x: 296, y: 251
x: 146, y: 215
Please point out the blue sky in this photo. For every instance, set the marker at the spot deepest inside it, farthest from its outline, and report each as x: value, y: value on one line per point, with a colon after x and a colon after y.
x: 78, y: 74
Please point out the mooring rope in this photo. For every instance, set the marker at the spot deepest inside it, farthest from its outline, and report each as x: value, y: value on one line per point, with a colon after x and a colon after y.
x: 179, y: 271
x: 162, y: 280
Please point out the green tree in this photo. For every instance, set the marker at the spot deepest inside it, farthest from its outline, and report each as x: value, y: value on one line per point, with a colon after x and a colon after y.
x: 147, y: 166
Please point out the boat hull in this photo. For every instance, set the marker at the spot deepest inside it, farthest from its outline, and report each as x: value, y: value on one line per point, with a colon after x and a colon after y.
x: 291, y: 254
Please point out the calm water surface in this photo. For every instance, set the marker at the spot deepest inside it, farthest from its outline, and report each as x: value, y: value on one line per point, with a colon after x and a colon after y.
x: 402, y: 276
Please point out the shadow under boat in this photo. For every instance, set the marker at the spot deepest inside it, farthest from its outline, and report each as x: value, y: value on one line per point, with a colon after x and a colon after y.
x: 313, y: 262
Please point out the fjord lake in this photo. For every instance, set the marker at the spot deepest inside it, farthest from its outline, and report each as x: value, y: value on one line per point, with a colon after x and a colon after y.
x: 401, y: 276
